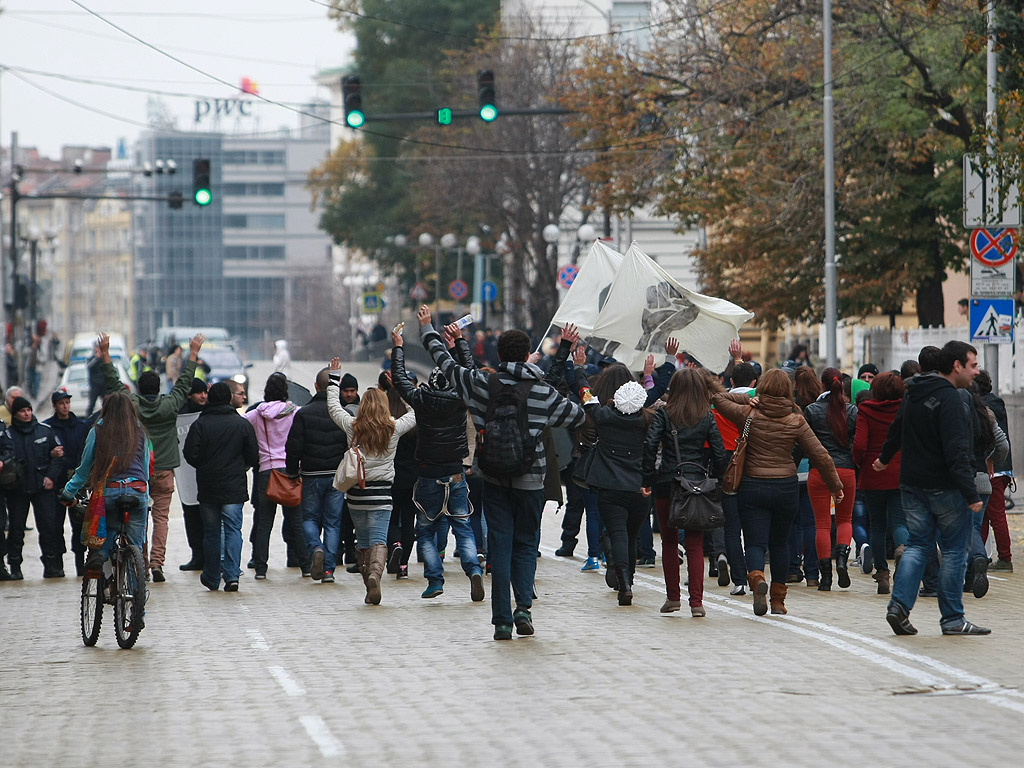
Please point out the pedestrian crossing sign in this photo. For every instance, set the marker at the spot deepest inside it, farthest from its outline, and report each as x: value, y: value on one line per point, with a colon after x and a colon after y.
x: 992, y: 321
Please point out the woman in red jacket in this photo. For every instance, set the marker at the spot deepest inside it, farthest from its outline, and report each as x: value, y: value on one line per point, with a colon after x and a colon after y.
x: 881, y: 489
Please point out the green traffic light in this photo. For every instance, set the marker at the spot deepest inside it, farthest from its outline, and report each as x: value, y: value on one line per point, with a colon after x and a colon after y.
x: 488, y: 113
x: 444, y: 116
x: 203, y: 197
x: 355, y: 119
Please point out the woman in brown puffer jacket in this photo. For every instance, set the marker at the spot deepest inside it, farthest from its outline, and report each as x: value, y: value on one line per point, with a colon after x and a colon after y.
x: 768, y: 494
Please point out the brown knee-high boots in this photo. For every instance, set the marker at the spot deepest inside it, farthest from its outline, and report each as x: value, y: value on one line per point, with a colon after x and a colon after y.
x: 777, y: 597
x: 375, y: 560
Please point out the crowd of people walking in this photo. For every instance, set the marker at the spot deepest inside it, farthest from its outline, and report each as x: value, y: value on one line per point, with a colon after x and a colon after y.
x: 900, y: 473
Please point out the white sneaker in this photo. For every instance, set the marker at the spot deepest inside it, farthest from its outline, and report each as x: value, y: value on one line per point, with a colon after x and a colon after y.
x: 739, y: 589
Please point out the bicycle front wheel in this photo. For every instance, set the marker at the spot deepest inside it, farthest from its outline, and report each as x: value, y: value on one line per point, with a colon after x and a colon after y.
x: 92, y: 610
x: 130, y: 600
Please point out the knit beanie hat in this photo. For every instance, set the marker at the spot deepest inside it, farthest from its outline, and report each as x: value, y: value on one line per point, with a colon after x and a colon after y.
x: 348, y: 381
x: 198, y: 385
x: 630, y: 397
x: 18, y: 404
x: 220, y: 394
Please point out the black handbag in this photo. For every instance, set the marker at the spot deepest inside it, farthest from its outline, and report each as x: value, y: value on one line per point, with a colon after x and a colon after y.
x: 695, y: 505
x: 581, y: 469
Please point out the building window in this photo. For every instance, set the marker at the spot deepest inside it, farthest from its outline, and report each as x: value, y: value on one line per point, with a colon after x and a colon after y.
x: 254, y: 221
x: 253, y: 157
x: 254, y: 252
x: 253, y: 190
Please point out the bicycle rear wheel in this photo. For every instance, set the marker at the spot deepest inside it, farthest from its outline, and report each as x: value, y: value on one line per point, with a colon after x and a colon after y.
x: 130, y: 600
x: 92, y: 610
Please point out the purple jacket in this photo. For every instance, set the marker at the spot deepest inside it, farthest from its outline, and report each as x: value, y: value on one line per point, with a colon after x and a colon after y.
x: 272, y: 421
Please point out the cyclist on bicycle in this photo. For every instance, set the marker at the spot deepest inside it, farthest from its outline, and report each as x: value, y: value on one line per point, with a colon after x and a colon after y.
x: 118, y: 454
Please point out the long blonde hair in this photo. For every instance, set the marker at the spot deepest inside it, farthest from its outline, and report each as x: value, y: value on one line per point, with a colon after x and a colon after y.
x: 373, y: 427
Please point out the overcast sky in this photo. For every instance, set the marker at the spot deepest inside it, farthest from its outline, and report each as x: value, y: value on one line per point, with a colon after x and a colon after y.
x: 279, y: 44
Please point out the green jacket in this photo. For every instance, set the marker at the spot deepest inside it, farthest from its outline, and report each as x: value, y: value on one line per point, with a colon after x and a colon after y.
x: 158, y: 414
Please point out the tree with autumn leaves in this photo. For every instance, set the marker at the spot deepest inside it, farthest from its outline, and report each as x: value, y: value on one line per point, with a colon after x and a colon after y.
x: 720, y: 124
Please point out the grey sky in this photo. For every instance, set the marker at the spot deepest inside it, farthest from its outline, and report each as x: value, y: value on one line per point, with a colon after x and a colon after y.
x: 279, y: 44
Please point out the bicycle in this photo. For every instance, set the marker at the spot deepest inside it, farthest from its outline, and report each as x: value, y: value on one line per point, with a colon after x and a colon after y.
x: 122, y: 585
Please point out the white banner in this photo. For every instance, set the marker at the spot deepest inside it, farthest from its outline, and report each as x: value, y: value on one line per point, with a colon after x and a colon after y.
x: 185, y: 473
x: 589, y: 291
x: 645, y: 306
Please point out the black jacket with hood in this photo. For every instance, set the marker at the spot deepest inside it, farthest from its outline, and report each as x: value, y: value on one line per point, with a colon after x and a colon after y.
x: 222, y: 446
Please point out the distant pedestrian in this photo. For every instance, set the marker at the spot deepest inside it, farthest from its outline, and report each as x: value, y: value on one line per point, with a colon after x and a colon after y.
x: 282, y: 357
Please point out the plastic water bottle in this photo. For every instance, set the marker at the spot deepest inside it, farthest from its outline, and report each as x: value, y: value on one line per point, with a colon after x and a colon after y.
x: 463, y: 321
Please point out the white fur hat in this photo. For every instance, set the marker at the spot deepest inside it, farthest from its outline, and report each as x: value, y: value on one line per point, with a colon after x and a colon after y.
x: 630, y: 397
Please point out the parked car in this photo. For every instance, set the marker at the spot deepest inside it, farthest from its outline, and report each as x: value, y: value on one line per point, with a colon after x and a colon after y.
x: 225, y: 364
x: 79, y: 348
x: 75, y: 381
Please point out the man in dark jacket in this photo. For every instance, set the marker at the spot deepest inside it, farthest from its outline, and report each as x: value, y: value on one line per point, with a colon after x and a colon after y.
x: 39, y: 457
x: 441, y: 490
x: 71, y: 431
x: 222, y: 446
x: 938, y: 490
x: 514, y: 504
x: 314, y: 449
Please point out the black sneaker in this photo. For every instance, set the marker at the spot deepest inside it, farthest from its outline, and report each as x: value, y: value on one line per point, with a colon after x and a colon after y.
x: 191, y: 565
x: 5, y: 575
x: 17, y: 575
x: 723, y: 571
x: 926, y: 592
x: 502, y: 631
x: 316, y: 567
x: 564, y: 551
x: 980, y: 586
x: 899, y: 620
x: 231, y: 586
x: 966, y: 628
x: 158, y: 575
x: 354, y: 568
x: 476, y: 587
x: 523, y: 620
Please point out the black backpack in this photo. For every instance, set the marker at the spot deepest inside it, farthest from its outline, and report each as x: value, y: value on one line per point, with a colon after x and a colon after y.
x: 506, y: 448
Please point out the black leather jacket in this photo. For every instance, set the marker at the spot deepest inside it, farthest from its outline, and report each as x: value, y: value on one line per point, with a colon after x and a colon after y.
x: 699, y: 444
x: 817, y: 417
x: 29, y: 444
x: 440, y: 421
x: 619, y: 448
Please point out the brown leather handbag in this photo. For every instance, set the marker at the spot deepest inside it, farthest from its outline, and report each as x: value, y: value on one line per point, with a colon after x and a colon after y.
x: 284, y: 489
x: 734, y: 472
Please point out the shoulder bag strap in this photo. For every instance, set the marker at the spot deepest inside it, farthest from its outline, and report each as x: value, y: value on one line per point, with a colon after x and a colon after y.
x: 679, y: 455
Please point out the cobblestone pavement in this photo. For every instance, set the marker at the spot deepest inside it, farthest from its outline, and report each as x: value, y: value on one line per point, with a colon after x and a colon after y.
x: 289, y: 671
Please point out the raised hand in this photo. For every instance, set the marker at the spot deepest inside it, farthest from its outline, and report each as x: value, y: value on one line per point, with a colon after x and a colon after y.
x: 533, y: 358
x: 579, y: 355
x: 396, y: 339
x: 571, y: 332
x: 736, y: 349
x: 423, y: 315
x: 449, y: 337
x: 672, y: 345
x: 194, y: 345
x: 649, y: 365
x: 335, y: 364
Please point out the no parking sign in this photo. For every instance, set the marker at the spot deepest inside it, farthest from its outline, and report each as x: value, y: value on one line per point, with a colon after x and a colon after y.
x: 567, y: 274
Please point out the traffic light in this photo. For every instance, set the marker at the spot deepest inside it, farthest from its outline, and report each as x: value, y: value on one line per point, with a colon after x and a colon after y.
x: 201, y: 194
x: 174, y: 200
x: 485, y: 94
x: 352, y: 100
x: 444, y: 116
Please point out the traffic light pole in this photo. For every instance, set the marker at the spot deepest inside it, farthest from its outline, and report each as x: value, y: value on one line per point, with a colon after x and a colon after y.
x: 460, y: 113
x: 8, y: 282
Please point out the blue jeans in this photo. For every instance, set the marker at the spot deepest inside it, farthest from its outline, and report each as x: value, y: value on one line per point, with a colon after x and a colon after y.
x: 733, y: 541
x: 645, y: 536
x: 929, y: 513
x: 885, y: 513
x: 861, y: 523
x: 137, y: 519
x: 222, y: 541
x: 429, y: 499
x: 321, y: 509
x: 976, y: 545
x: 513, y: 524
x: 767, y: 509
x: 371, y: 527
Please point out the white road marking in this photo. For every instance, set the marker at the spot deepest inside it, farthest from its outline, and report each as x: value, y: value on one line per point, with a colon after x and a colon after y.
x: 322, y: 736
x: 259, y: 642
x: 287, y: 682
x: 991, y: 691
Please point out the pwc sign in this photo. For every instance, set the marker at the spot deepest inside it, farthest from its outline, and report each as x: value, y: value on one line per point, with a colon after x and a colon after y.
x: 226, y: 107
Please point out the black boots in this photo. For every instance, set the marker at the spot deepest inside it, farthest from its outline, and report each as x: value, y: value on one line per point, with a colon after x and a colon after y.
x: 625, y: 592
x: 842, y: 565
x: 825, y: 576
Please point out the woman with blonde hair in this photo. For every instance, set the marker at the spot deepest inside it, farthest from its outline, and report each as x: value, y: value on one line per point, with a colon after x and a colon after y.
x: 768, y: 494
x: 376, y: 433
x: 681, y: 430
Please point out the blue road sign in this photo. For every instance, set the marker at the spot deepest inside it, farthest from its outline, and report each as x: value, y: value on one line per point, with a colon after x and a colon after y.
x: 992, y: 321
x: 489, y: 291
x: 372, y: 303
x: 567, y: 274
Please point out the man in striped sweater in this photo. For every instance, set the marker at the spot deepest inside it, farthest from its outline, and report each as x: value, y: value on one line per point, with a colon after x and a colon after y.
x: 513, y: 505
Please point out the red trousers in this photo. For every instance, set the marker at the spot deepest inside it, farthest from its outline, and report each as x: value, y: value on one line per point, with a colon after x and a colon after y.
x: 693, y: 542
x: 821, y: 499
x: 995, y: 515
